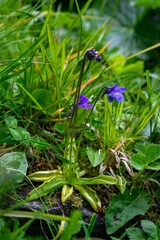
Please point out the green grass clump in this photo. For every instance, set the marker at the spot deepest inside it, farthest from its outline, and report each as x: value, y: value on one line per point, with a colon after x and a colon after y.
x: 106, y: 156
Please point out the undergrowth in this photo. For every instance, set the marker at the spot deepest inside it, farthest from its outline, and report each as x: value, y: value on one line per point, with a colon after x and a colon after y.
x: 79, y: 119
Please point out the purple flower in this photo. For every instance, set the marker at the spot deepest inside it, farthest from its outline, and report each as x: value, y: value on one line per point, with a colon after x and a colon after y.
x: 93, y: 54
x: 83, y: 100
x: 98, y: 58
x: 114, y: 92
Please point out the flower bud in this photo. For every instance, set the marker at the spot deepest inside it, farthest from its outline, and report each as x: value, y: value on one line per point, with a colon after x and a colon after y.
x: 93, y: 54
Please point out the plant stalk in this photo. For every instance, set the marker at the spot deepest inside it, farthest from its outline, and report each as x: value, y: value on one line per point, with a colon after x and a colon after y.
x: 84, y: 127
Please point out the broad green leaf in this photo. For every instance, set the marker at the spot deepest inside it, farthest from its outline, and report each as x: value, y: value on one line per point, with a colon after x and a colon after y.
x: 38, y: 106
x: 23, y: 132
x: 141, y: 148
x: 45, y: 188
x: 155, y: 165
x: 10, y: 121
x: 135, y: 234
x: 125, y: 69
x: 153, y: 153
x: 15, y: 134
x: 60, y: 127
x: 95, y: 157
x: 148, y: 226
x: 20, y: 134
x: 133, y: 68
x: 90, y: 195
x: 124, y: 207
x: 149, y: 231
x: 66, y: 193
x: 43, y: 97
x: 25, y: 136
x: 155, y: 235
x: 39, y: 143
x: 44, y: 175
x: 13, y: 167
x: 116, y: 58
x: 138, y: 161
x: 101, y: 179
x: 133, y: 34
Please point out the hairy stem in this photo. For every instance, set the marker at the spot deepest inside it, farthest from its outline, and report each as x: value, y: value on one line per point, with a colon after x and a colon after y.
x: 70, y: 132
x: 84, y: 127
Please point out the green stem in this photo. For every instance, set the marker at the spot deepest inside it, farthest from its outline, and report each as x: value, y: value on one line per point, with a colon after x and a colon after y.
x: 66, y: 167
x: 84, y: 127
x: 138, y: 174
x: 73, y: 119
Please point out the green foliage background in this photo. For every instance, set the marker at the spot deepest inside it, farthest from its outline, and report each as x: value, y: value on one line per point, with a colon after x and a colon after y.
x: 41, y: 48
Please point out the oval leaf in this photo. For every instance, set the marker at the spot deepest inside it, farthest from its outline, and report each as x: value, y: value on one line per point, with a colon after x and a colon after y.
x: 44, y: 175
x: 13, y: 167
x: 15, y: 134
x: 11, y: 121
x: 95, y: 157
x: 39, y: 143
x: 124, y: 207
x: 24, y: 135
x: 43, y: 97
x: 138, y: 161
x: 20, y: 134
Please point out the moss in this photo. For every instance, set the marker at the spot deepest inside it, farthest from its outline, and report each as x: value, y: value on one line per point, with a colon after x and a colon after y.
x: 74, y: 202
x: 51, y: 201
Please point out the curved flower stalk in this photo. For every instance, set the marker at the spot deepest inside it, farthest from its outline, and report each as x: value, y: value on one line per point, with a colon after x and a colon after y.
x: 90, y: 55
x: 112, y: 118
x: 70, y: 176
x: 113, y: 92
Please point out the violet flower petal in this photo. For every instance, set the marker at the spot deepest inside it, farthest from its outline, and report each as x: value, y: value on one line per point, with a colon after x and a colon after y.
x: 83, y: 99
x: 120, y: 89
x: 98, y: 58
x: 110, y: 98
x: 114, y: 92
x: 118, y: 96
